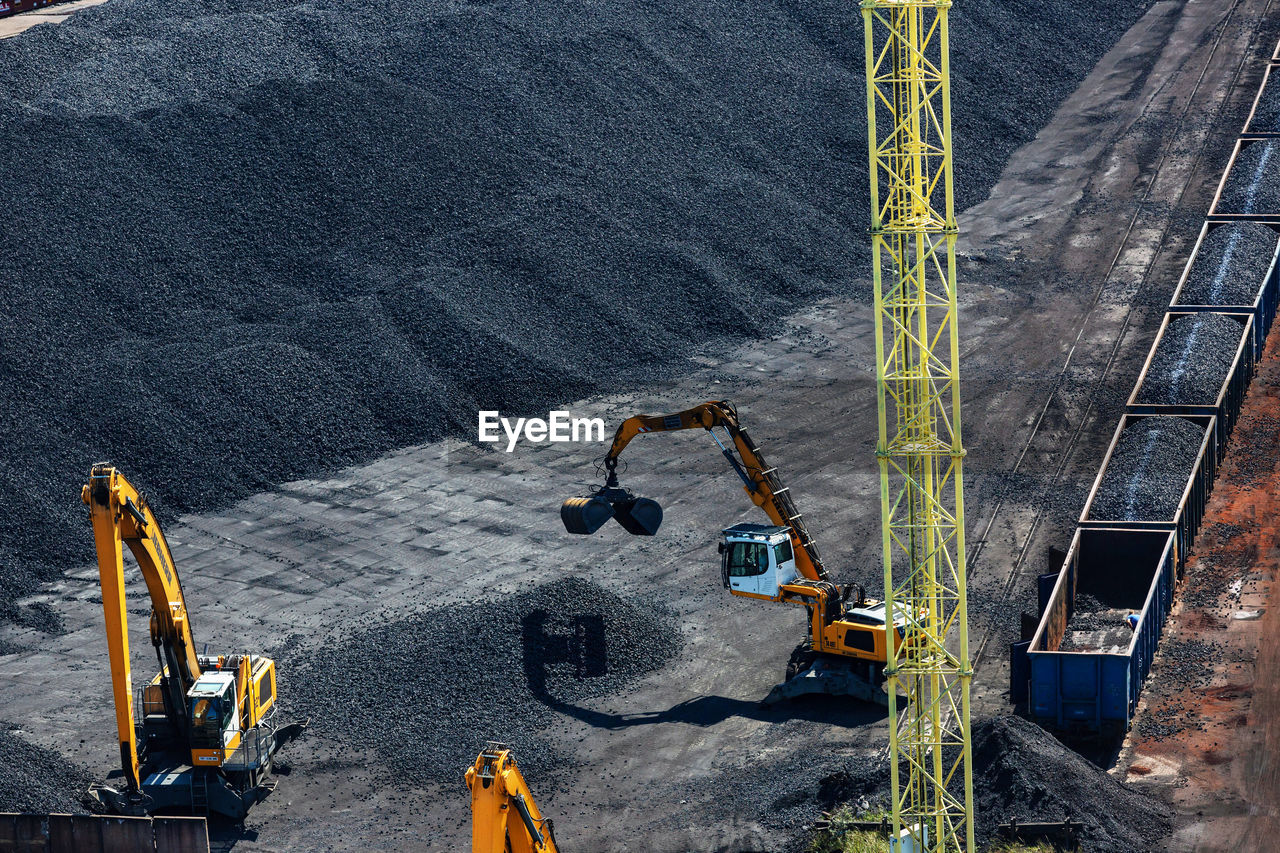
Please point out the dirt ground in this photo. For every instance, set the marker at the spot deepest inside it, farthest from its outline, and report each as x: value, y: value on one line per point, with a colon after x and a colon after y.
x: 1206, y: 730
x: 1068, y: 267
x: 56, y: 14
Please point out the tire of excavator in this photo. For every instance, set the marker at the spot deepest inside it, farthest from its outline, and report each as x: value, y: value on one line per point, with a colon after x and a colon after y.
x: 801, y: 659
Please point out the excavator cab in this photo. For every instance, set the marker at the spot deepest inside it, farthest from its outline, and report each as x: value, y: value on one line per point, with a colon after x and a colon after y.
x: 215, y: 720
x: 756, y: 560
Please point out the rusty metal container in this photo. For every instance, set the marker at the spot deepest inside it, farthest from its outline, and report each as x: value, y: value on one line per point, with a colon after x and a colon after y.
x: 1085, y: 682
x: 1225, y: 406
x: 1263, y: 306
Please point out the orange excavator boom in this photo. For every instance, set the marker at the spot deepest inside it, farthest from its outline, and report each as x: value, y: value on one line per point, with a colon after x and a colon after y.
x: 504, y: 817
x: 642, y: 516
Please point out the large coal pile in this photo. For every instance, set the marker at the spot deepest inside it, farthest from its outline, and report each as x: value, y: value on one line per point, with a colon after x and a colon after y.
x: 1022, y: 772
x: 1148, y: 471
x: 38, y: 780
x: 252, y: 241
x: 1192, y: 361
x: 1253, y: 184
x: 1230, y: 266
x: 427, y: 692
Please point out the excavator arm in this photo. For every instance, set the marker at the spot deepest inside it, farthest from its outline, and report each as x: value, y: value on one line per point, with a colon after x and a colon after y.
x: 120, y: 516
x: 498, y: 790
x: 848, y: 639
x: 760, y: 481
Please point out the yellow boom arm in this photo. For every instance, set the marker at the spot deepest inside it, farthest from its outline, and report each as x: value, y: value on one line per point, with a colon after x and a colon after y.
x: 498, y: 790
x: 119, y: 515
x: 760, y: 479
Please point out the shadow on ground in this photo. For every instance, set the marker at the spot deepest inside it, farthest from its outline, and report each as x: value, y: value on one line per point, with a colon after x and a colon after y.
x: 585, y: 651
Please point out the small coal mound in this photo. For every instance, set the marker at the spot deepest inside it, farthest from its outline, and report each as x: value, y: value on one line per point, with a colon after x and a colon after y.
x: 1192, y: 361
x: 1253, y: 186
x: 1090, y: 616
x: 1230, y: 266
x: 1086, y: 603
x: 39, y: 780
x: 1186, y: 668
x: 1148, y: 472
x: 1266, y: 116
x: 1022, y: 772
x: 427, y: 692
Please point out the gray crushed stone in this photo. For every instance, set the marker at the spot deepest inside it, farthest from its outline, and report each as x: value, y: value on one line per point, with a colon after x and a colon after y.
x: 1192, y: 361
x: 34, y: 779
x: 1148, y: 471
x: 426, y: 693
x: 1230, y: 266
x: 1253, y: 184
x: 1266, y: 115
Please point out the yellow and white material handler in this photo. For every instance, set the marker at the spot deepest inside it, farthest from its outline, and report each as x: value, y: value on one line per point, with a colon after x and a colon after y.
x: 202, y: 734
x: 848, y: 639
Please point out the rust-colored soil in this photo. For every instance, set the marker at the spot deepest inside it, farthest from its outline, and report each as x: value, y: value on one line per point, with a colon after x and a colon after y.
x: 1208, y: 731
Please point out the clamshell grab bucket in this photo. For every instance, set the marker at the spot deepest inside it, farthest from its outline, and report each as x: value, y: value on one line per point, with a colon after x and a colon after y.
x: 585, y: 515
x: 640, y: 516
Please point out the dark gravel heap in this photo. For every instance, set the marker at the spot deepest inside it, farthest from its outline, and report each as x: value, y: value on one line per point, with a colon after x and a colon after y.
x: 426, y: 693
x: 253, y: 241
x: 1148, y: 472
x: 1253, y: 185
x: 1184, y: 664
x: 38, y: 780
x: 1266, y: 116
x: 1192, y: 361
x: 1230, y: 266
x: 1024, y: 773
x: 1086, y: 604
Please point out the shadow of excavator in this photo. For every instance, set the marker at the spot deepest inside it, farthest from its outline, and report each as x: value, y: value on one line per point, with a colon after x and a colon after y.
x: 584, y: 647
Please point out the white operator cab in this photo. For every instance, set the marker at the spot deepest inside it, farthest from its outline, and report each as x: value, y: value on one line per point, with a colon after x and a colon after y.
x: 756, y: 560
x: 215, y: 718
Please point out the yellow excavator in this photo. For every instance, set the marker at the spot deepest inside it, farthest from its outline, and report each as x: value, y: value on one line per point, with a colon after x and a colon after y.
x: 497, y: 790
x: 846, y: 650
x: 205, y: 736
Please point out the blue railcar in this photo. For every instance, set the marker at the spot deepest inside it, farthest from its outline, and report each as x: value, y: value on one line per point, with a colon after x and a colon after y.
x: 1088, y: 681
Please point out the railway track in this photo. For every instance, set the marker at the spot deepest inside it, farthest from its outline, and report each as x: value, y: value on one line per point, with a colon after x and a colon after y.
x: 1109, y: 283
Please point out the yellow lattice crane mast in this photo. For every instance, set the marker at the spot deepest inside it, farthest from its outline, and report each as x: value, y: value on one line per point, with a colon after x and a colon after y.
x: 913, y: 231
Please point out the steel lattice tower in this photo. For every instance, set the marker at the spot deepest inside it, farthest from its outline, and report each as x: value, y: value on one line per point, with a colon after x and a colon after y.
x: 919, y: 450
